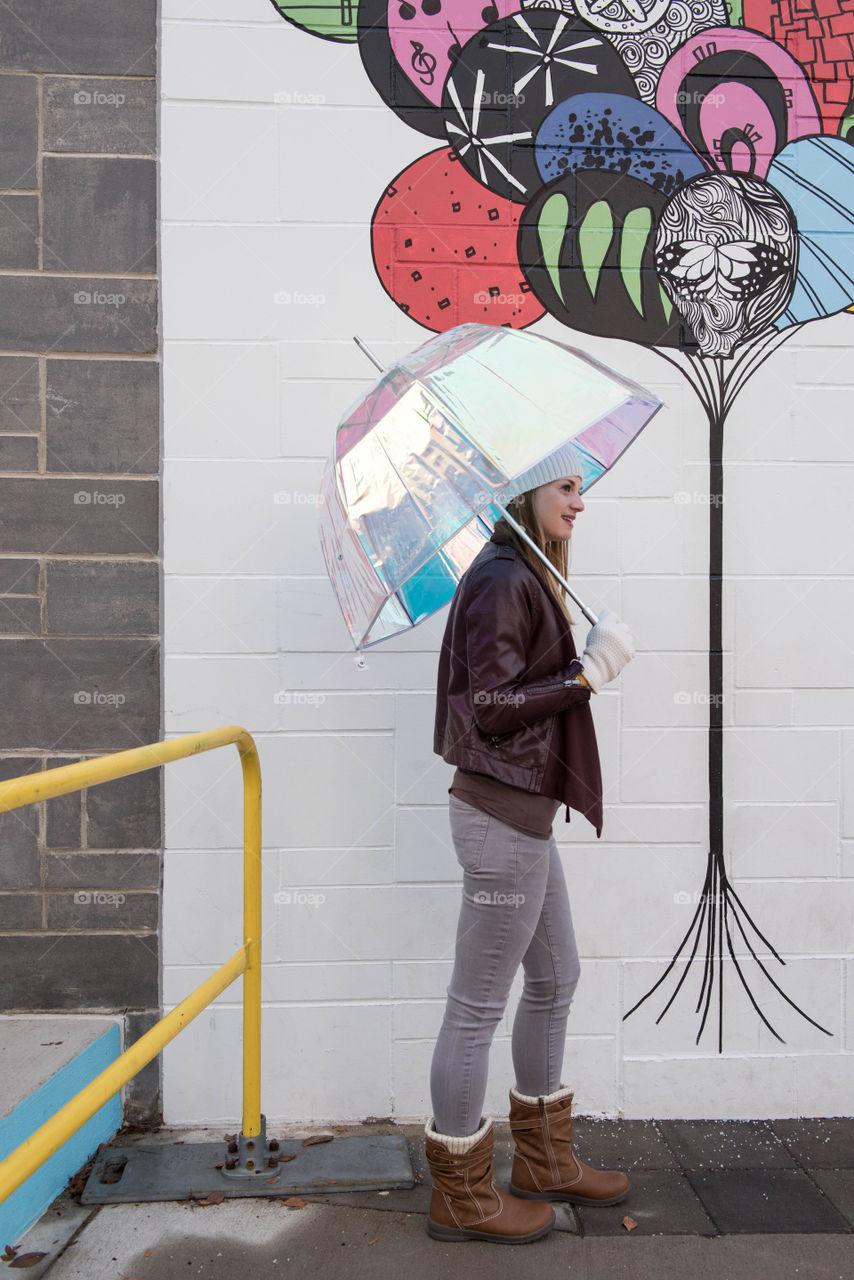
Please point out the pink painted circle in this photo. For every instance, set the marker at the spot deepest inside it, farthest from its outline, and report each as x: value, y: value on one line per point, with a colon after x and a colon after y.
x: 424, y: 32
x: 738, y: 97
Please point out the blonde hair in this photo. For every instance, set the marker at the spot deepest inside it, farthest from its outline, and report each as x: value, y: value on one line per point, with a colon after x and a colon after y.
x: 522, y: 510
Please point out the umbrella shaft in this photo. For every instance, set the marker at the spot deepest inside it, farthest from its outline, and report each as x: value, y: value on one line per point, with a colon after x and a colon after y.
x: 373, y: 359
x: 589, y: 615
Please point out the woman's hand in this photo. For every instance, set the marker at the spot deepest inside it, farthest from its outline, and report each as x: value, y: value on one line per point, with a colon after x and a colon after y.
x: 610, y: 645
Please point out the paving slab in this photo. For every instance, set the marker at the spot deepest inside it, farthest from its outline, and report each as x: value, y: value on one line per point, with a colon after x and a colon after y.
x: 766, y: 1200
x: 661, y: 1203
x: 825, y: 1144
x: 257, y: 1239
x: 621, y: 1144
x: 838, y: 1186
x: 726, y: 1144
x: 51, y: 1234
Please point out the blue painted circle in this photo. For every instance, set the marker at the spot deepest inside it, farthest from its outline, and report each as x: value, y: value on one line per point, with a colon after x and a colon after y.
x: 816, y: 177
x: 612, y: 131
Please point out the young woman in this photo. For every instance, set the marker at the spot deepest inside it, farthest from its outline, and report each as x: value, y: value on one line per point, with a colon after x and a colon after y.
x: 512, y: 714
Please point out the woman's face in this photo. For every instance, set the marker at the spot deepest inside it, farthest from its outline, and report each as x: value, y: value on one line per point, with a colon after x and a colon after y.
x: 556, y: 506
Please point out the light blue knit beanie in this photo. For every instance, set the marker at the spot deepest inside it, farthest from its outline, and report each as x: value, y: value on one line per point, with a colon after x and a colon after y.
x: 565, y: 461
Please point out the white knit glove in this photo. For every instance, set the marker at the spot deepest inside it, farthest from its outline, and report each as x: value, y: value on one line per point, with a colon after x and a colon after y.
x: 610, y: 645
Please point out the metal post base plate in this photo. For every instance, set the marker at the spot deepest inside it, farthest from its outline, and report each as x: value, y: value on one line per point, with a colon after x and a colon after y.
x: 137, y: 1175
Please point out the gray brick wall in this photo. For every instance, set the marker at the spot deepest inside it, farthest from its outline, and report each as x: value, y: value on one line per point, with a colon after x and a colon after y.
x: 80, y: 876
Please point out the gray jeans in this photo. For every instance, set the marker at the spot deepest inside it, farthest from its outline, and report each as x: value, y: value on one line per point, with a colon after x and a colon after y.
x: 515, y: 909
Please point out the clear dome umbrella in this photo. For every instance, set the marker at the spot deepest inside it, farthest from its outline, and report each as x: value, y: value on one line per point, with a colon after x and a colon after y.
x: 413, y: 487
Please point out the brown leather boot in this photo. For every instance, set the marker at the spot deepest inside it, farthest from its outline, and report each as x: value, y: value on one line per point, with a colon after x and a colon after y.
x: 545, y: 1167
x: 466, y: 1204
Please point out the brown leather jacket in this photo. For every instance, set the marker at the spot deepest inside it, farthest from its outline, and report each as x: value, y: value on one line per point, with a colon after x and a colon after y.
x: 506, y: 701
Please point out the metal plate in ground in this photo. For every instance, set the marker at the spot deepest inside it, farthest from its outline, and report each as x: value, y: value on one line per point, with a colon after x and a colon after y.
x: 179, y: 1171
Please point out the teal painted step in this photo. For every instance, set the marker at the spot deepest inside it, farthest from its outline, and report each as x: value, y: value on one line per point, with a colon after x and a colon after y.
x: 44, y: 1062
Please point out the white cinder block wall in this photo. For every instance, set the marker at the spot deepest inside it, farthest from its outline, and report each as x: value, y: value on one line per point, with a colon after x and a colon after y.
x: 267, y: 273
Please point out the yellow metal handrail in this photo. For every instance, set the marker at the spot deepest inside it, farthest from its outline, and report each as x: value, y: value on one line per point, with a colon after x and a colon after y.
x: 16, y: 793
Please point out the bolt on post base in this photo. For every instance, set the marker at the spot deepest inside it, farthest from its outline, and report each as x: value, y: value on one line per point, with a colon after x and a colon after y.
x: 251, y: 1157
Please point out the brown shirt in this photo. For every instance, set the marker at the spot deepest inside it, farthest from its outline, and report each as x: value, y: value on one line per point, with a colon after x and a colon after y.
x: 531, y: 814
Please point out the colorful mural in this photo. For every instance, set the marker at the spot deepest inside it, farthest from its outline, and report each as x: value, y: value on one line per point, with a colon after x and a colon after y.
x: 677, y: 173
x: 575, y: 133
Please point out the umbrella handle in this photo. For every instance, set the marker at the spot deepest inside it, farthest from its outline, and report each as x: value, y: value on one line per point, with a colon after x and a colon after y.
x: 589, y: 615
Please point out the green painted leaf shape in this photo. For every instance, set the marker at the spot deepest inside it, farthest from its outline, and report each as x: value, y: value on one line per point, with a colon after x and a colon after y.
x: 666, y: 304
x: 594, y: 240
x: 551, y: 229
x: 636, y: 228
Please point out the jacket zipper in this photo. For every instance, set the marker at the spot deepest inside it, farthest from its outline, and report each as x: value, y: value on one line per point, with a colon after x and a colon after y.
x: 550, y: 688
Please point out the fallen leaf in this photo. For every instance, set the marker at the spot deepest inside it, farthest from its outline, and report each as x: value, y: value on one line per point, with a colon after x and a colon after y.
x: 295, y: 1202
x: 340, y: 1128
x: 629, y: 1223
x: 231, y: 1137
x: 8, y: 1254
x: 271, y: 1181
x: 215, y: 1197
x: 317, y: 1137
x: 291, y: 1156
x: 147, y: 1253
x: 27, y: 1259
x: 375, y: 1239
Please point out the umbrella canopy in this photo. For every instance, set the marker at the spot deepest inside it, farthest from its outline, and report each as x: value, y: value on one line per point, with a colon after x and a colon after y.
x: 411, y: 491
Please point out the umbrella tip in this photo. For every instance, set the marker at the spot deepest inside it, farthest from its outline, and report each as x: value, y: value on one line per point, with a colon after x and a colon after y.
x: 360, y: 344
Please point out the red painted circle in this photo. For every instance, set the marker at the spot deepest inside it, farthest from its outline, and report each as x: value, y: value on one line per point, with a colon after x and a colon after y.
x: 445, y: 248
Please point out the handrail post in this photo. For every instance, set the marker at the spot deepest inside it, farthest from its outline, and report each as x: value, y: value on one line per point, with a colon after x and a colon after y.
x: 251, y: 937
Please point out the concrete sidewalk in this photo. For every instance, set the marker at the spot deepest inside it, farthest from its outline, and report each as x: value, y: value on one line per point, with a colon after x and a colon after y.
x: 725, y: 1199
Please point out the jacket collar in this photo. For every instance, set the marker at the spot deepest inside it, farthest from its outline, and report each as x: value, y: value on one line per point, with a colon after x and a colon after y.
x: 501, y: 536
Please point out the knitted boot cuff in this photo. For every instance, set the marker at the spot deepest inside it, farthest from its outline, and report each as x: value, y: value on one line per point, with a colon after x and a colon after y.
x: 457, y: 1145
x: 561, y: 1092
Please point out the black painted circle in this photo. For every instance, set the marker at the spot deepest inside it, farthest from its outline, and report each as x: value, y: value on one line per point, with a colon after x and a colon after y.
x: 552, y: 255
x: 517, y: 70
